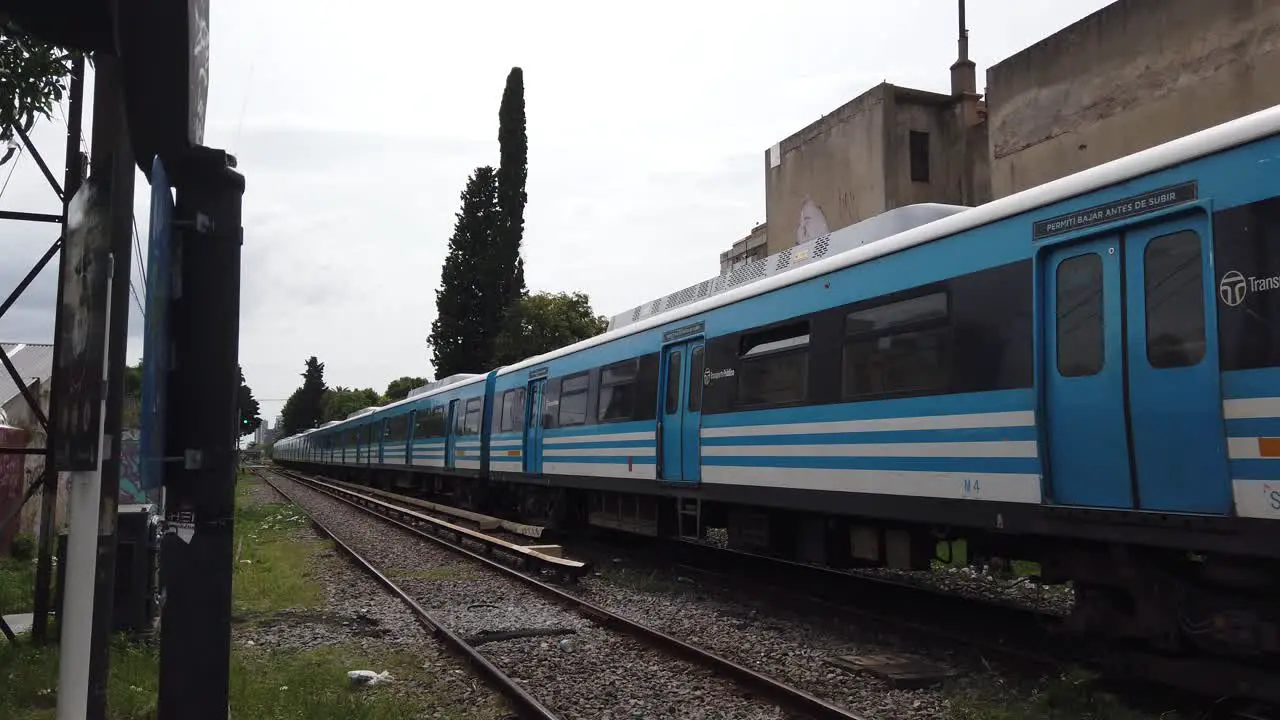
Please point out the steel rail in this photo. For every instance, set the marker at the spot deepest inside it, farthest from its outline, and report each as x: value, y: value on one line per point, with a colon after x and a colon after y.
x: 784, y: 694
x: 526, y: 705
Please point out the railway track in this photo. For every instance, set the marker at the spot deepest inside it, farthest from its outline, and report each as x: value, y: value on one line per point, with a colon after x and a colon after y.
x: 1020, y: 635
x: 547, y: 677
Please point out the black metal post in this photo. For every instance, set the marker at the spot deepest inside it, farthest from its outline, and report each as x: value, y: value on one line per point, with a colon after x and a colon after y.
x: 196, y: 555
x: 73, y: 175
x: 111, y: 157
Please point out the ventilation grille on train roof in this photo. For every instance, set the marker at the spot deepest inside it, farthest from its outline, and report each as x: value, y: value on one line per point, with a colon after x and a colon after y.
x: 442, y: 382
x: 870, y: 230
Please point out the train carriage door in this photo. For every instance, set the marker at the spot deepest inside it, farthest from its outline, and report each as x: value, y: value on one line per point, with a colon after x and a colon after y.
x: 1175, y: 401
x: 453, y: 425
x: 691, y: 439
x: 533, y: 428
x: 1084, y: 375
x: 671, y: 415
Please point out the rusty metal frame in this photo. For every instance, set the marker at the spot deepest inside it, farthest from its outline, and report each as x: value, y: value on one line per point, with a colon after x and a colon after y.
x: 46, y: 483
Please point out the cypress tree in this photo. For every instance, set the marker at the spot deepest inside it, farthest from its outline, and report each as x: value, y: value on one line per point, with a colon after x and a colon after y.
x: 302, y: 409
x: 513, y: 171
x: 471, y: 301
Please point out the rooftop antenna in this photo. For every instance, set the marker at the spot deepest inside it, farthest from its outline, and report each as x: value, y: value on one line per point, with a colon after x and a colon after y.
x: 964, y: 80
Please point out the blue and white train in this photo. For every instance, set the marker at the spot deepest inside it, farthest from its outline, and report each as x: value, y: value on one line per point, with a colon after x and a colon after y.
x: 1085, y: 374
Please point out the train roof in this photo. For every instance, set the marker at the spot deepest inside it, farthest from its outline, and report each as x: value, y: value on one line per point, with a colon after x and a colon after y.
x: 1210, y: 140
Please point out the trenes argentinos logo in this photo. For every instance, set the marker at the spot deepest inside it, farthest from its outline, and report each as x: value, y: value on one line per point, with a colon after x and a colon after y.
x: 1233, y: 288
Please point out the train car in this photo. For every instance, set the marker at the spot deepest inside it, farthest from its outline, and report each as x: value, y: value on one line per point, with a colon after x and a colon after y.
x: 1083, y: 374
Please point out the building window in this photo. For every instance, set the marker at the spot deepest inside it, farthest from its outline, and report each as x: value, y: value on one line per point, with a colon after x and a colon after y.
x: 918, y: 142
x: 573, y: 400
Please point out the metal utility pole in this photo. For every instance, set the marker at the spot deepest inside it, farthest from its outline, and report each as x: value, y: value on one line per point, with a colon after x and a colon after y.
x: 73, y: 175
x: 112, y: 158
x: 195, y: 642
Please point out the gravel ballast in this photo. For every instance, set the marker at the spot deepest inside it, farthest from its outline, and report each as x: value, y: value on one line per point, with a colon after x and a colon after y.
x: 578, y: 669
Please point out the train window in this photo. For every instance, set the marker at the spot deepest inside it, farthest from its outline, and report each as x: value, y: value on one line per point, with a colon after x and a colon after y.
x: 512, y: 413
x: 1175, y: 300
x: 896, y: 348
x: 673, y: 383
x: 1079, y: 320
x: 775, y: 365
x: 517, y: 411
x: 475, y: 408
x: 617, y: 392
x: 506, y: 423
x: 573, y: 399
x: 900, y: 314
x: 696, y: 362
x: 428, y: 423
x: 398, y: 428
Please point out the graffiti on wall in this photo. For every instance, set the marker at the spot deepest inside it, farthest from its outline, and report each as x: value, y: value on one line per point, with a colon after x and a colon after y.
x: 131, y: 471
x: 813, y: 223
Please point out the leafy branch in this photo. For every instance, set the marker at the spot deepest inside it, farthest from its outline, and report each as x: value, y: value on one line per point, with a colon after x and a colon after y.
x: 34, y: 76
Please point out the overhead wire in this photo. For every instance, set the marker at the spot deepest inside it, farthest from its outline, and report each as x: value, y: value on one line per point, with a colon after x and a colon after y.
x: 13, y: 163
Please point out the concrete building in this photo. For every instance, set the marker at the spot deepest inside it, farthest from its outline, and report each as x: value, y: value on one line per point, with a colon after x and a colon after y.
x: 889, y: 147
x: 1132, y: 75
x: 34, y: 363
x: 749, y: 249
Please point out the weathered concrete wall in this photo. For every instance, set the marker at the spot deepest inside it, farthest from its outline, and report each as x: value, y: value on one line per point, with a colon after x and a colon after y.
x: 828, y: 175
x: 1132, y: 75
x: 19, y: 415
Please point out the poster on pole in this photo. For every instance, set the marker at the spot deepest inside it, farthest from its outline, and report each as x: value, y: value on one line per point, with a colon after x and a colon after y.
x: 155, y: 342
x: 77, y: 390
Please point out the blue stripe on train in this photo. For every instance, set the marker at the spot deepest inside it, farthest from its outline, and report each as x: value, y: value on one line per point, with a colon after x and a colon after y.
x: 1256, y: 469
x: 1254, y: 427
x: 1243, y: 384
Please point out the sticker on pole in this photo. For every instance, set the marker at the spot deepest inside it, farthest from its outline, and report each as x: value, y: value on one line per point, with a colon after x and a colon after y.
x: 182, y: 524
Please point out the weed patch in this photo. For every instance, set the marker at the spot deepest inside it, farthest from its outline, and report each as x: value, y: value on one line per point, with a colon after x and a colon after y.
x: 17, y: 583
x: 272, y: 565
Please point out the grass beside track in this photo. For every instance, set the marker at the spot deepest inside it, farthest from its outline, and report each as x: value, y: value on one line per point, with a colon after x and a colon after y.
x: 17, y: 581
x: 274, y: 571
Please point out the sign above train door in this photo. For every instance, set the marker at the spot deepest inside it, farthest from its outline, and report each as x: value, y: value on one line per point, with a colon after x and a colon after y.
x: 1123, y: 209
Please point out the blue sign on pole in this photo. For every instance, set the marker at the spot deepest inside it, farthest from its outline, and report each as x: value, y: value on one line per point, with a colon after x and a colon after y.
x: 155, y: 344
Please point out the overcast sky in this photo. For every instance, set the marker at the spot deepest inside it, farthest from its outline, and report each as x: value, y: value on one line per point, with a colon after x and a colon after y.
x: 647, y: 132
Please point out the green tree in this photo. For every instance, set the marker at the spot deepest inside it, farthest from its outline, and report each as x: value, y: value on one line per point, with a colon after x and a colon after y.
x: 399, y: 388
x: 470, y: 303
x: 339, y: 402
x: 543, y: 322
x: 36, y: 76
x: 249, y: 419
x: 302, y: 409
x: 513, y: 172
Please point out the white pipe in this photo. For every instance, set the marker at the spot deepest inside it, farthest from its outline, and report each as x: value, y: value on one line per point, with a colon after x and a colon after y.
x: 84, y: 504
